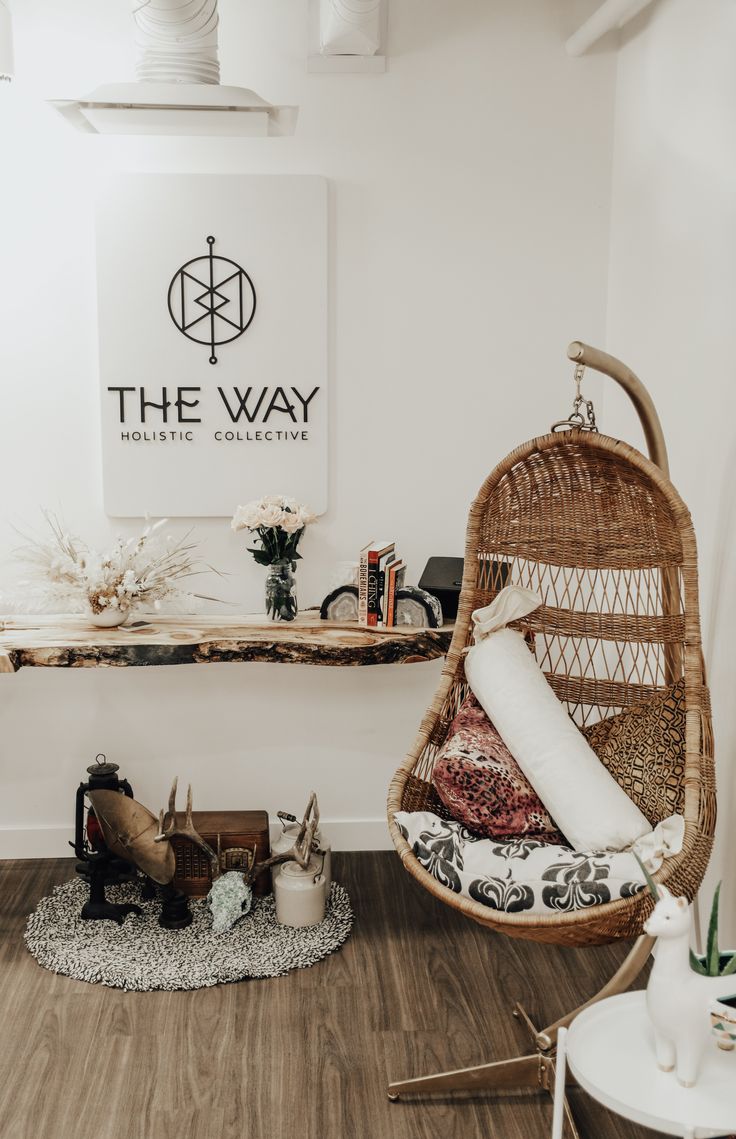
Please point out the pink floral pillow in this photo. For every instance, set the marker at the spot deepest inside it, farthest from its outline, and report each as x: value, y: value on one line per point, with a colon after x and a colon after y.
x: 482, y: 785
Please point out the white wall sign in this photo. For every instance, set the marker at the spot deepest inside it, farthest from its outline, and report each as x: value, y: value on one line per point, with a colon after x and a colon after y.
x: 212, y: 296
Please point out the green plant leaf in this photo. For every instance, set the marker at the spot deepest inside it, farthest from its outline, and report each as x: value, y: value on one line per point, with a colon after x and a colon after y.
x: 697, y: 965
x: 649, y: 880
x: 261, y: 556
x: 712, y: 956
x: 729, y: 969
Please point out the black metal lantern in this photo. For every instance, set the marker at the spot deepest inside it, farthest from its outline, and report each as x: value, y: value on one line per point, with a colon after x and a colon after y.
x: 96, y: 862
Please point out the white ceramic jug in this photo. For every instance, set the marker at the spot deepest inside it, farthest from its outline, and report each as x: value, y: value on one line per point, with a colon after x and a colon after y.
x: 300, y: 895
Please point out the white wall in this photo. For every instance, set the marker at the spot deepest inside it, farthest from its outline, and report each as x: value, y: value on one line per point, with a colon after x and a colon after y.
x: 672, y: 302
x: 469, y: 226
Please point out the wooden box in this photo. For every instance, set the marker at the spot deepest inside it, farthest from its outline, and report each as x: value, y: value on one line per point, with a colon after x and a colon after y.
x: 237, y: 832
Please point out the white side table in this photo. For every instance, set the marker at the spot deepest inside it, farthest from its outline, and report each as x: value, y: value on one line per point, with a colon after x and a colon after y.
x: 610, y: 1052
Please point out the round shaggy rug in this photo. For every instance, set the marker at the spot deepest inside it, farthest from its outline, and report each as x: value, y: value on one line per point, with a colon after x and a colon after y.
x: 140, y: 955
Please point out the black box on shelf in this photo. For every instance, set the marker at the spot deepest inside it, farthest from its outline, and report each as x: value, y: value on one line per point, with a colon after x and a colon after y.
x: 443, y: 577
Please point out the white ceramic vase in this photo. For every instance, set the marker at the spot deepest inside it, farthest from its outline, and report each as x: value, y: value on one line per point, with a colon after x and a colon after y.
x: 679, y: 1000
x: 108, y: 618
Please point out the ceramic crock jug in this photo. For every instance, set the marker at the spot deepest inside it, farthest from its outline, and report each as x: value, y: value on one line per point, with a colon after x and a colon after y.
x: 300, y: 895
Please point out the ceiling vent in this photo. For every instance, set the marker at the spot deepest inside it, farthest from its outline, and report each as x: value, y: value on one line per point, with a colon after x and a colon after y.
x: 178, y: 88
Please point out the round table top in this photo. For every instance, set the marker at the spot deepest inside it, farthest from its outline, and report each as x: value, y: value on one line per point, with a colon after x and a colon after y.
x: 610, y: 1051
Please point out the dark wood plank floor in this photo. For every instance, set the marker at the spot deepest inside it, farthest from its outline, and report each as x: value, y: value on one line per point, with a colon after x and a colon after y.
x: 416, y: 989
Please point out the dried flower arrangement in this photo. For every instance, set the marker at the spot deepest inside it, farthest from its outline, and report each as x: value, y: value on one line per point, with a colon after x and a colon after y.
x: 279, y: 523
x: 138, y: 572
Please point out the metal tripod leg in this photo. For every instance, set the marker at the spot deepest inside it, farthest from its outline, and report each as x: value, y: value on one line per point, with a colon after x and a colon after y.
x: 537, y: 1069
x: 622, y: 979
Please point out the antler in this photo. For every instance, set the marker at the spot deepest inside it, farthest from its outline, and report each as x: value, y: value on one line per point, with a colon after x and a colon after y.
x: 173, y: 830
x: 300, y: 852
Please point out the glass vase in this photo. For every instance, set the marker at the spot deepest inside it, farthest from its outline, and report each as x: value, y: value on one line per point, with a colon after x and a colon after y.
x: 281, y: 592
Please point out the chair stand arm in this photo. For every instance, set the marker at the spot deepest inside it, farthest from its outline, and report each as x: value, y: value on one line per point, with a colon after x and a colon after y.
x: 622, y: 979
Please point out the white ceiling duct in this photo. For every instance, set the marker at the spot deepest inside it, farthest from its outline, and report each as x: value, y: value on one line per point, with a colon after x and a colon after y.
x: 178, y: 89
x: 346, y: 36
x: 6, y: 43
x: 350, y: 27
x: 177, y: 41
x: 611, y: 14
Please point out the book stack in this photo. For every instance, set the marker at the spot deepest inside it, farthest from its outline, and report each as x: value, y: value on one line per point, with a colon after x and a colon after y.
x: 380, y: 577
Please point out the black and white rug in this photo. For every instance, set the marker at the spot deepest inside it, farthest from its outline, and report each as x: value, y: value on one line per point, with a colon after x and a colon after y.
x: 139, y: 955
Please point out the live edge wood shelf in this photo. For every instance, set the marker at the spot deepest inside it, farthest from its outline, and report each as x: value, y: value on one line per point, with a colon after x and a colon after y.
x: 70, y: 642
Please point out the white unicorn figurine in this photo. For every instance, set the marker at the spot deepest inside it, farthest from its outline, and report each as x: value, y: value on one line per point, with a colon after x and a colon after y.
x: 677, y: 997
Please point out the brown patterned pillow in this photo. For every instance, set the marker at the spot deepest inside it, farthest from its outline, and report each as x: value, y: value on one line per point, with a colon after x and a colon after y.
x: 644, y: 750
x: 482, y: 785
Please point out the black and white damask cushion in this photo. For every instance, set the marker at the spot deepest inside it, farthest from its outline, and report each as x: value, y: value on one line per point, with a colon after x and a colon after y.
x: 518, y: 875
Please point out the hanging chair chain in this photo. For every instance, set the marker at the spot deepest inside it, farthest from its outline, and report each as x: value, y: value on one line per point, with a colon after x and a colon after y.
x: 578, y: 421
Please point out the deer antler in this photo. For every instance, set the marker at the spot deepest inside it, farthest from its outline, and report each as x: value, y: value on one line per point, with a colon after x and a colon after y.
x: 168, y: 827
x: 300, y: 852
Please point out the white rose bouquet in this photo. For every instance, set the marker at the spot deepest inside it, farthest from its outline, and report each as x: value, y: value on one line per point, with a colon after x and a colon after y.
x: 279, y: 523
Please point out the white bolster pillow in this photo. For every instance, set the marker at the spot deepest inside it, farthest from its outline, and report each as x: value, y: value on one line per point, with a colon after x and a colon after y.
x: 585, y: 801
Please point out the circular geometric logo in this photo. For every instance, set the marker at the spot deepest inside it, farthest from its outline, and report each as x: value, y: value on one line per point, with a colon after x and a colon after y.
x: 212, y: 300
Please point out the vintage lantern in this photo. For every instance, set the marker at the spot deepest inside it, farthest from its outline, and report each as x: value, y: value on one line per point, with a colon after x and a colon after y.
x: 101, y: 866
x: 88, y: 836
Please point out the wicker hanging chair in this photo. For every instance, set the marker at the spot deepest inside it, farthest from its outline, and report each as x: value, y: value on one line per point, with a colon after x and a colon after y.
x: 601, y: 534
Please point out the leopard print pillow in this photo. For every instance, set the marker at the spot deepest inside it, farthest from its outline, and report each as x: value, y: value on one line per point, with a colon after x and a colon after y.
x: 481, y: 784
x: 644, y: 750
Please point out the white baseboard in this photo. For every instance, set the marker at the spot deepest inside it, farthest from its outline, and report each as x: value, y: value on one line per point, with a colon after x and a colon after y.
x: 51, y: 841
x: 47, y: 841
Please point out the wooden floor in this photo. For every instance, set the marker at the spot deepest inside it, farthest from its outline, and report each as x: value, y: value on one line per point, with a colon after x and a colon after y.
x: 416, y: 989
